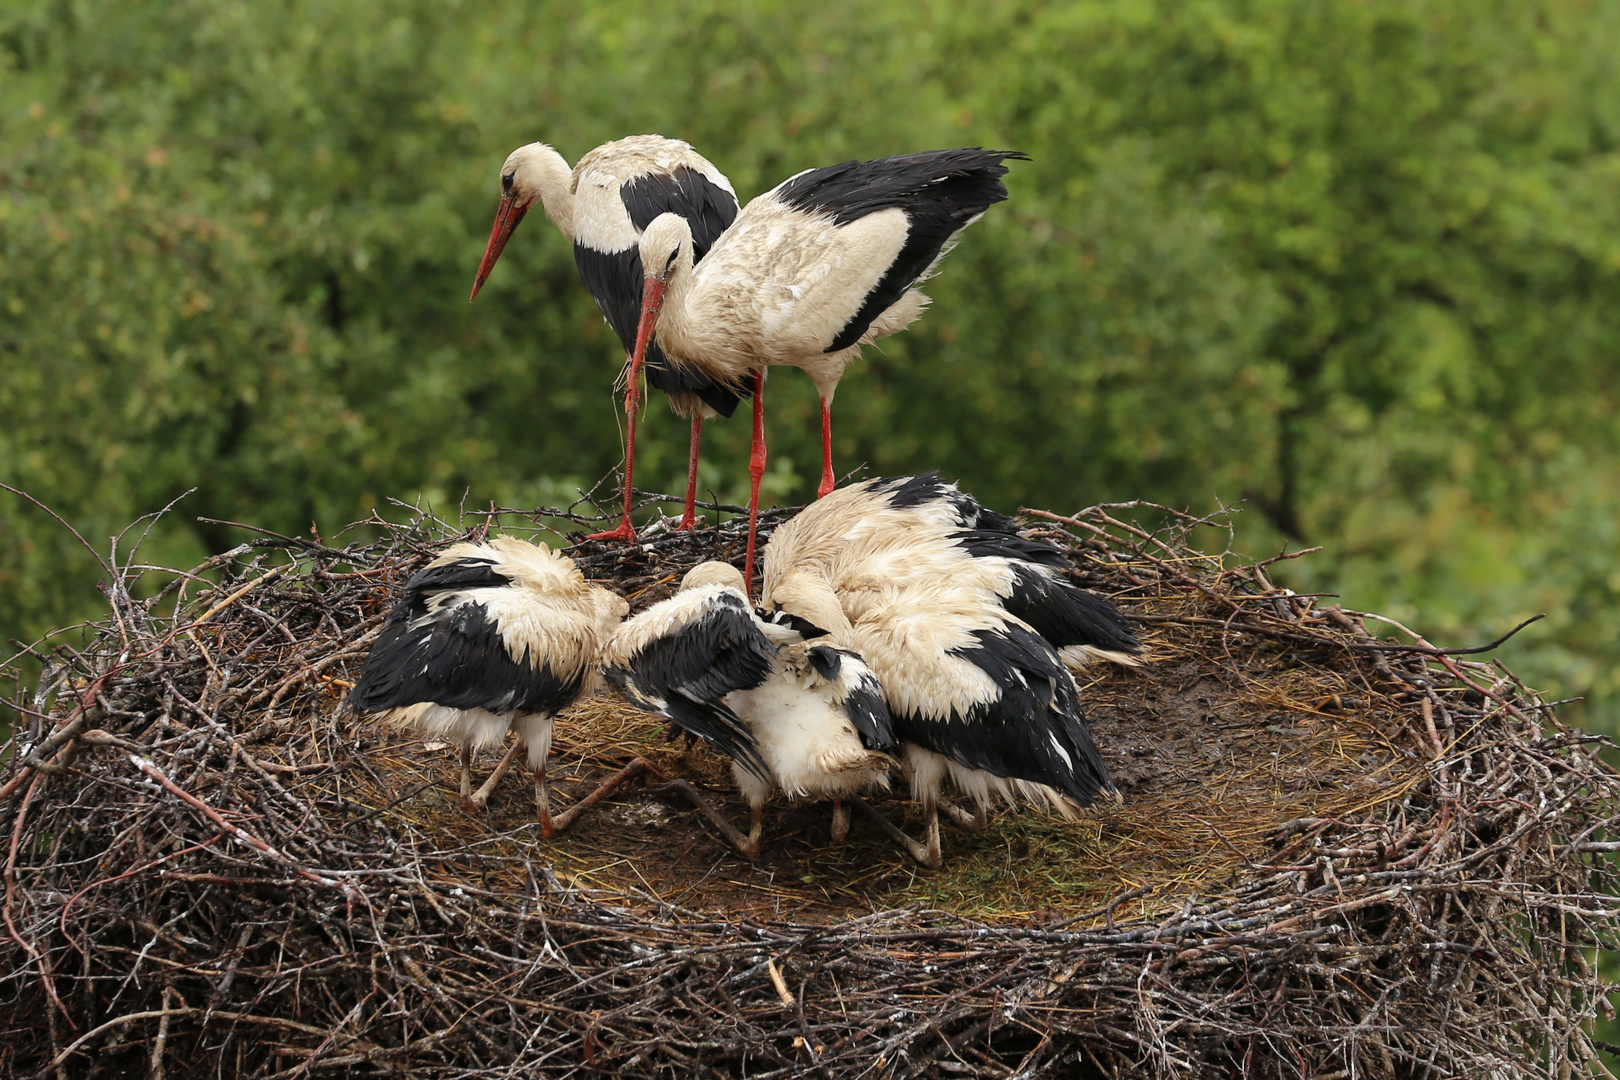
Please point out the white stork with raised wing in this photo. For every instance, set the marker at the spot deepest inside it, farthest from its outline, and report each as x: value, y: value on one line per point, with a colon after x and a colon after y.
x: 490, y: 638
x: 815, y: 713
x: 601, y: 206
x: 902, y: 570
x: 808, y: 273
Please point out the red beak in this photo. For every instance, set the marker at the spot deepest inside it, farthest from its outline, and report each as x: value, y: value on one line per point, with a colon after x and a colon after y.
x: 652, y: 299
x: 506, y: 220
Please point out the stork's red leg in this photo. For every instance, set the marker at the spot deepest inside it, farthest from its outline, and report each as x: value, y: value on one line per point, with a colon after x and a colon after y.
x: 689, y: 519
x: 827, y: 481
x: 480, y: 798
x: 632, y: 405
x: 640, y: 766
x: 747, y: 845
x: 756, y: 470
x: 927, y: 853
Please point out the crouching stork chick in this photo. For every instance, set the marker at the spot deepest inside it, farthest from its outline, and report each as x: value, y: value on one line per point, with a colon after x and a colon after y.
x: 976, y: 693
x: 794, y: 715
x: 490, y: 638
x: 894, y: 532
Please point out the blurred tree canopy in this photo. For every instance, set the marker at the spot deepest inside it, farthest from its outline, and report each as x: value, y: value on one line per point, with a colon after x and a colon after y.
x: 1357, y: 263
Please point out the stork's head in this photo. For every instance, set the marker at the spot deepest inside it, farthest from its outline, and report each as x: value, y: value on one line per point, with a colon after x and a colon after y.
x: 666, y: 253
x: 528, y: 173
x: 713, y: 573
x: 666, y: 245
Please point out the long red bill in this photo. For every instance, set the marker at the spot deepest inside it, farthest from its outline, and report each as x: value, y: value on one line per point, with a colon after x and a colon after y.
x: 506, y: 220
x: 652, y: 299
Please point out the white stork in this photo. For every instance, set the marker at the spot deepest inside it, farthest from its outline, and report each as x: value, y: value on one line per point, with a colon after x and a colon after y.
x: 909, y: 530
x: 814, y: 712
x: 900, y: 570
x: 490, y: 638
x: 809, y: 272
x: 602, y: 205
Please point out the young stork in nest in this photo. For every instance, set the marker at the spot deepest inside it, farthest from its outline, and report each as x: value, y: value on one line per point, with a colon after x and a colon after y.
x: 814, y: 711
x: 906, y: 530
x: 943, y: 599
x: 602, y: 205
x: 824, y: 263
x: 490, y: 638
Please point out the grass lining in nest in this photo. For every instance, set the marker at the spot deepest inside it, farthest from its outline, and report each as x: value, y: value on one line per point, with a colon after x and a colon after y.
x: 1336, y: 856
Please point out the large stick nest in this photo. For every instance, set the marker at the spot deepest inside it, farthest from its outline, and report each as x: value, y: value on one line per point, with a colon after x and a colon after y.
x: 1337, y: 855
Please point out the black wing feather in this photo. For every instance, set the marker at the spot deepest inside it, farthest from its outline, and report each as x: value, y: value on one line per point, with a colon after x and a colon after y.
x: 707, y: 207
x: 685, y: 674
x: 999, y: 544
x: 865, y: 704
x: 798, y: 624
x: 905, y: 492
x: 474, y: 572
x: 826, y: 660
x: 711, y: 721
x: 614, y: 279
x: 1059, y: 610
x: 454, y: 657
x: 1065, y: 614
x: 940, y: 191
x: 1033, y: 730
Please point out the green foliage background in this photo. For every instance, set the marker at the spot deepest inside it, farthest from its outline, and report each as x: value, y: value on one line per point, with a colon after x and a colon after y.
x: 1357, y: 263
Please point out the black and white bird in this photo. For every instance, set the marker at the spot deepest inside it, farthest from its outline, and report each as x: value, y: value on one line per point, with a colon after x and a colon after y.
x: 915, y: 529
x: 814, y: 714
x: 490, y: 638
x: 808, y: 273
x: 902, y: 570
x: 601, y: 206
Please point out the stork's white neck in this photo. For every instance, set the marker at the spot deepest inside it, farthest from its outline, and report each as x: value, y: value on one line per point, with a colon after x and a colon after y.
x: 541, y: 169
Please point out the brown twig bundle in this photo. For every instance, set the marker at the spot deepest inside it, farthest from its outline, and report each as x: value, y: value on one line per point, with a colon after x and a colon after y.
x: 1337, y: 856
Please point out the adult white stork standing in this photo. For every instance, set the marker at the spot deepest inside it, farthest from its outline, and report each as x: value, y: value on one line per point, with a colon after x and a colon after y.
x: 490, y: 638
x: 815, y: 712
x: 809, y: 272
x: 897, y: 570
x: 602, y: 205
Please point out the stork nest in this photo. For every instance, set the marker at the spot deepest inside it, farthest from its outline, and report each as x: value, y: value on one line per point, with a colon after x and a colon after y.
x: 1337, y: 855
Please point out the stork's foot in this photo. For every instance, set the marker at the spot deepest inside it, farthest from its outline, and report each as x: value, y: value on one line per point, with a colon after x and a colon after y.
x: 475, y: 802
x: 926, y: 854
x: 624, y: 533
x: 550, y: 826
x: 689, y: 521
x: 975, y: 823
x: 748, y: 846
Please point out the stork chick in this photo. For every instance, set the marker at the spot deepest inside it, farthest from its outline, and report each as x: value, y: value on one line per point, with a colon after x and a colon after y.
x: 814, y: 714
x: 888, y: 532
x: 929, y: 587
x: 490, y: 638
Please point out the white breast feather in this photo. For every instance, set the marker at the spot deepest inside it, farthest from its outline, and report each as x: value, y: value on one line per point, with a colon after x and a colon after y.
x: 600, y: 220
x: 809, y: 744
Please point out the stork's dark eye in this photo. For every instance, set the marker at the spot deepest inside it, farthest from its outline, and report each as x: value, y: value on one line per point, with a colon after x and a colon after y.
x: 506, y: 181
x: 669, y: 263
